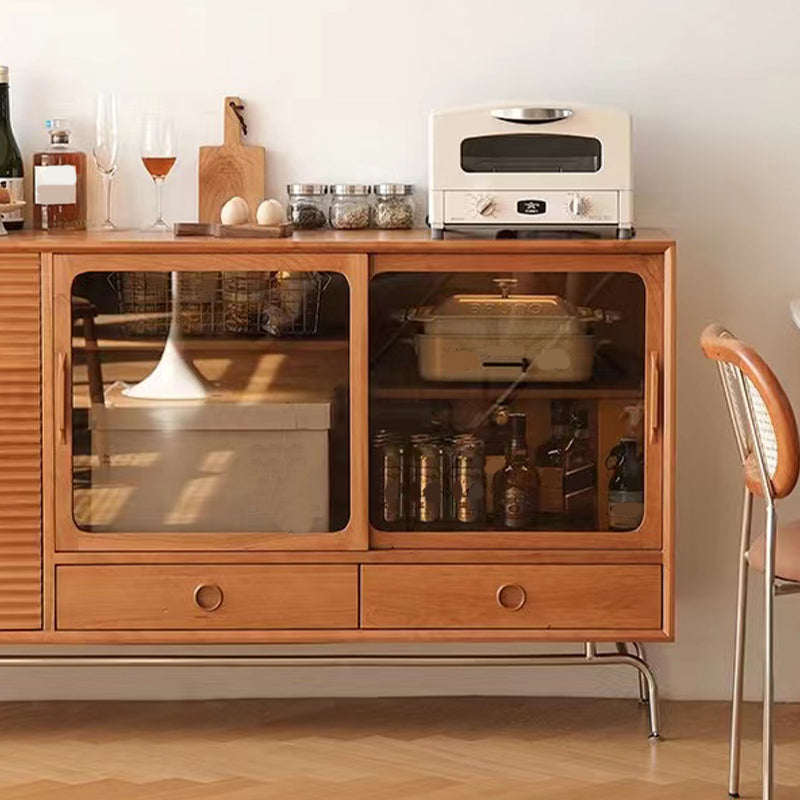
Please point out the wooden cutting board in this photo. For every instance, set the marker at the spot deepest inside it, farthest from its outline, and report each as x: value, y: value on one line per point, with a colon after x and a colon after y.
x: 230, y: 169
x: 282, y: 231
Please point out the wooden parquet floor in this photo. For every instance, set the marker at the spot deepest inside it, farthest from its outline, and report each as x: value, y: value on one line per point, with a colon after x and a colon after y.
x: 386, y: 749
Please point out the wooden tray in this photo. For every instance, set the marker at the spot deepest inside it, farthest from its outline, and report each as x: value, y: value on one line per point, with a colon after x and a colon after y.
x: 246, y: 231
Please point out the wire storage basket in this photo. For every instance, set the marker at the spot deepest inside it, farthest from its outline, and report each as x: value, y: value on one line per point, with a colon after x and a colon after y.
x: 250, y: 303
x: 142, y: 297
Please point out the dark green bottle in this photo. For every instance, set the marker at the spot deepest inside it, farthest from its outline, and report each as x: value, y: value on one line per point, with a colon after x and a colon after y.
x: 626, y: 487
x: 10, y: 159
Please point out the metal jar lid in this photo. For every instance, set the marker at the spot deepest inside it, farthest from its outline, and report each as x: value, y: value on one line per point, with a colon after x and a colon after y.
x: 350, y: 188
x: 393, y: 188
x: 3, y: 74
x: 307, y: 188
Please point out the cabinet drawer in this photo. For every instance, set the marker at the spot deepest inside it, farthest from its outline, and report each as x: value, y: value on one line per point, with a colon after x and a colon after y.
x: 206, y: 597
x: 512, y: 596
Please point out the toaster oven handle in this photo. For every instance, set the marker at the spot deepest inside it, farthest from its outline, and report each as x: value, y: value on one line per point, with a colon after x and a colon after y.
x: 524, y: 364
x: 531, y: 116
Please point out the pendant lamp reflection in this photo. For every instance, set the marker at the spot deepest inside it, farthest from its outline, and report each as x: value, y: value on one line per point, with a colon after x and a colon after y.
x: 174, y: 377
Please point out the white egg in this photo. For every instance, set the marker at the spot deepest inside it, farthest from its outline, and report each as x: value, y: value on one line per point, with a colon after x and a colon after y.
x: 270, y: 212
x: 235, y: 212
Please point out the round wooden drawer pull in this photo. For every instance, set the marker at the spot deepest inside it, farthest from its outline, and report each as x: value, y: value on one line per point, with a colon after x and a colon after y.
x: 511, y: 597
x: 208, y: 596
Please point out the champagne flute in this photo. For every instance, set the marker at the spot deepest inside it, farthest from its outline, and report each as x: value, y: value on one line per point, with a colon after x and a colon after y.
x: 159, y: 152
x: 105, y: 148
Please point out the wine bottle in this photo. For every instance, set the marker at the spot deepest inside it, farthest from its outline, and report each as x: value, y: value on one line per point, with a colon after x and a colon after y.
x: 11, y: 189
x: 516, y: 485
x: 626, y: 487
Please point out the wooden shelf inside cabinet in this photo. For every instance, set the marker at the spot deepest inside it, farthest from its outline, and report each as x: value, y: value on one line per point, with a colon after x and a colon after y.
x: 234, y: 346
x: 534, y: 391
x: 248, y: 371
x: 396, y: 377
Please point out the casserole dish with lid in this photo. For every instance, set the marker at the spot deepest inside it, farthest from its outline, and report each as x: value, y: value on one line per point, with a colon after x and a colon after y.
x: 484, y: 337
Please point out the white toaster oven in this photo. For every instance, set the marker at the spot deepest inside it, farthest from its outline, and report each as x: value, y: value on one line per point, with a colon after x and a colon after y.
x: 560, y: 166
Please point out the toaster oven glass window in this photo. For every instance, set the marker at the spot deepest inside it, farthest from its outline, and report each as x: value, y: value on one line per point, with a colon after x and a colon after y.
x: 267, y: 449
x: 531, y: 152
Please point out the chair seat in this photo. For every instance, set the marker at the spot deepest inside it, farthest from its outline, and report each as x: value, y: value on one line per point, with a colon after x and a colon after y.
x: 787, y: 557
x: 81, y: 307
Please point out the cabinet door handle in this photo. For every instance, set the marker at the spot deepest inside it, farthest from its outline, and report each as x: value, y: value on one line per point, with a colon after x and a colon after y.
x: 511, y: 597
x: 208, y: 596
x: 655, y: 391
x: 62, y: 399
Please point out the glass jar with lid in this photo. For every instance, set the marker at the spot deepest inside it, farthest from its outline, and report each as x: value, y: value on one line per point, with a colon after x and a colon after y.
x: 350, y: 208
x: 394, y: 206
x: 307, y: 205
x: 468, y: 480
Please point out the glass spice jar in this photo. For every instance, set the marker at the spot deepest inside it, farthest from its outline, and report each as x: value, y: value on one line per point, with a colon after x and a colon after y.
x: 425, y: 479
x: 389, y: 481
x: 350, y: 206
x: 394, y: 206
x: 307, y: 205
x: 469, y: 474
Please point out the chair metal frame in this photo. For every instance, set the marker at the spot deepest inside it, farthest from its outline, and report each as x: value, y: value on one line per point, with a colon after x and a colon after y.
x: 741, y: 371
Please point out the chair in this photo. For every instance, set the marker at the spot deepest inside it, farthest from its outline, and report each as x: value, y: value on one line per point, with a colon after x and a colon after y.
x: 83, y: 311
x: 766, y: 437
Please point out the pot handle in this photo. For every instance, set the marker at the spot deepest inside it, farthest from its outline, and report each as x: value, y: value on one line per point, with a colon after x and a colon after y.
x: 598, y: 314
x: 524, y: 364
x: 419, y: 314
x: 531, y: 116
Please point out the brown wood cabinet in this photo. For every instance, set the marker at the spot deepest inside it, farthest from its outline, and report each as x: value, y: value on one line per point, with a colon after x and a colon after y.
x: 254, y: 514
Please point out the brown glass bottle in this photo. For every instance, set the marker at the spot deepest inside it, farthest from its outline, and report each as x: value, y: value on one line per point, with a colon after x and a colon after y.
x: 496, y: 436
x: 59, y: 179
x: 516, y: 485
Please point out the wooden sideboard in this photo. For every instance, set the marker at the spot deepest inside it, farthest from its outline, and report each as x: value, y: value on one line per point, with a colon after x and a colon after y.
x: 71, y: 336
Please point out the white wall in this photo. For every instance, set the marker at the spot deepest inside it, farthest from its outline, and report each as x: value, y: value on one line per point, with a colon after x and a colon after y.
x: 341, y: 91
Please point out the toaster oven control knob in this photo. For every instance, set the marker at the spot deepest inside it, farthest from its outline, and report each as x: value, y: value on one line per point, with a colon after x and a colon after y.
x: 485, y: 205
x: 578, y: 206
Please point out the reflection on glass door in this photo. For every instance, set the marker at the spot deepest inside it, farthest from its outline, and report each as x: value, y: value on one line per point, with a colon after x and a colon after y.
x: 506, y: 402
x: 259, y: 442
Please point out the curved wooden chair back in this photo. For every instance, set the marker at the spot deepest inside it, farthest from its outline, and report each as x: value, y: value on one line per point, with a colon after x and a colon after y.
x: 760, y: 412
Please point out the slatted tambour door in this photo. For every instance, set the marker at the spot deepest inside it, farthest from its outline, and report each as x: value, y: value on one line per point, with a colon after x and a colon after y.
x: 20, y: 444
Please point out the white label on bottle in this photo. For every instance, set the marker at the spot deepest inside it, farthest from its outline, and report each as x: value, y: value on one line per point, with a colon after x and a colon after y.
x: 16, y: 192
x: 625, y: 510
x: 55, y: 185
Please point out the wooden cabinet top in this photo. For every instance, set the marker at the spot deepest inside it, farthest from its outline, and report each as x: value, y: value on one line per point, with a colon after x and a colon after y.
x: 416, y: 241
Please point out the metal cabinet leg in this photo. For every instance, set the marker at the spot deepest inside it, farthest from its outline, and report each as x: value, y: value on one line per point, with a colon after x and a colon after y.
x: 646, y: 674
x: 644, y: 695
x: 590, y: 657
x: 646, y: 677
x: 638, y: 650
